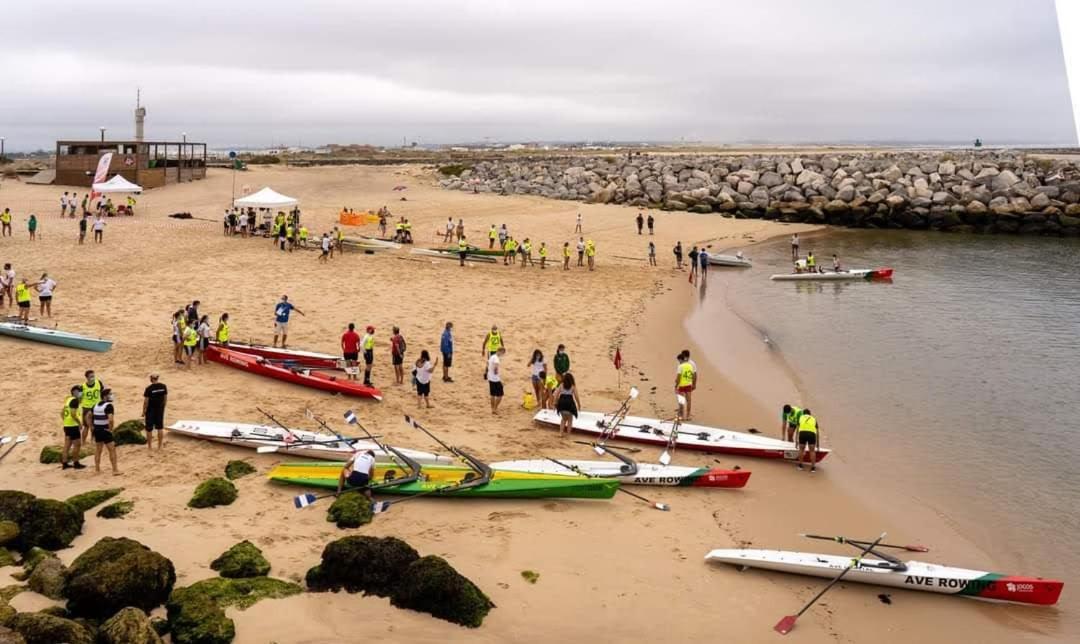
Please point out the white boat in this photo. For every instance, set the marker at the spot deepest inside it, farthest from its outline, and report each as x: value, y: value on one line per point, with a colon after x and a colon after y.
x: 911, y: 575
x: 371, y: 243
x: 854, y: 274
x: 295, y: 442
x: 736, y: 260
x: 647, y: 473
x: 695, y: 437
x: 54, y: 336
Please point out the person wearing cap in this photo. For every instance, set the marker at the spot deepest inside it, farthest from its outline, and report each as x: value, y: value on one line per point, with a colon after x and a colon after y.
x: 102, y: 417
x: 367, y: 343
x: 153, y: 408
x: 358, y: 472
x: 71, y: 421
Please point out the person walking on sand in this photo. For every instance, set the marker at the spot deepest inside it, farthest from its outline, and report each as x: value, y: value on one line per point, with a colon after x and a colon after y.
x: 281, y: 319
x: 794, y: 246
x: 326, y: 248
x: 577, y: 228
x: 102, y: 417
x: 73, y: 204
x: 22, y: 300
x: 358, y: 471
x: 63, y: 205
x: 31, y: 225
x: 205, y: 333
x: 581, y: 251
x: 561, y: 362
x: 537, y: 367
x: 640, y: 222
x: 367, y: 343
x: 652, y: 254
x: 790, y: 416
x: 397, y: 355
x: 649, y: 223
x: 424, y: 368
x: 703, y: 260
x: 590, y: 253
x: 45, y: 287
x: 350, y: 351
x: 678, y: 252
x: 99, y: 229
x: 685, y: 382
x: 693, y: 254
x: 566, y: 256
x: 567, y: 403
x: 494, y: 378
x: 5, y: 222
x: 809, y: 437
x: 223, y: 332
x: 446, y: 347
x: 71, y: 422
x: 155, y: 396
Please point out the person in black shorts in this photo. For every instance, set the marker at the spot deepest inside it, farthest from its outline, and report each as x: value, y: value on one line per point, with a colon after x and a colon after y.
x: 71, y: 417
x: 154, y: 398
x: 358, y: 472
x: 367, y: 343
x: 102, y: 417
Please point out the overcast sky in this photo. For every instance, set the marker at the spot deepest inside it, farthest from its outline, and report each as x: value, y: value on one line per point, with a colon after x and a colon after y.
x: 266, y: 72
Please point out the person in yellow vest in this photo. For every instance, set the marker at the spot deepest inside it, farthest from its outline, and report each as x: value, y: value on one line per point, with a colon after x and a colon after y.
x: 290, y: 233
x: 130, y: 205
x: 191, y: 340
x: 492, y: 235
x: 367, y: 343
x: 526, y: 252
x: 399, y: 230
x: 493, y: 341
x: 590, y: 253
x: 543, y: 254
x: 5, y: 222
x: 339, y: 238
x: 406, y: 231
x: 223, y: 332
x: 463, y: 249
x: 551, y: 383
x: 303, y: 236
x: 71, y: 421
x: 91, y: 395
x: 507, y: 250
x: 811, y: 263
x: 22, y: 299
x: 566, y: 256
x: 809, y: 437
x: 685, y: 383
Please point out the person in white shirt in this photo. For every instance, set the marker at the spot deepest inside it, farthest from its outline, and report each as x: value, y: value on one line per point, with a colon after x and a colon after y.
x: 205, y: 333
x: 7, y: 285
x: 581, y: 251
x: 449, y: 230
x: 63, y: 204
x: 45, y: 288
x: 577, y: 229
x: 424, y: 368
x: 99, y: 228
x: 358, y: 472
x: 494, y: 378
x: 325, y: 247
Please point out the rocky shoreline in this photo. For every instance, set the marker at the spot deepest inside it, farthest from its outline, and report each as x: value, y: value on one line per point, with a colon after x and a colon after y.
x: 961, y: 191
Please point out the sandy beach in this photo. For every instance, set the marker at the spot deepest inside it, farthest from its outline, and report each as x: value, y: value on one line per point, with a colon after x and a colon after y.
x: 613, y: 569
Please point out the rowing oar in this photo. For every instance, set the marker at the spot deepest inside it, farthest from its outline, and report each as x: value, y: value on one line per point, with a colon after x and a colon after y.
x: 860, y: 544
x: 276, y: 422
x: 785, y: 625
x: 22, y: 438
x: 659, y: 506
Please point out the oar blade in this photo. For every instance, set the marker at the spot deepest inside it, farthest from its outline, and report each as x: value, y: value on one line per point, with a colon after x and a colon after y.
x: 599, y: 450
x: 665, y: 458
x: 266, y: 449
x: 378, y: 507
x: 785, y: 625
x: 664, y: 507
x: 304, y: 500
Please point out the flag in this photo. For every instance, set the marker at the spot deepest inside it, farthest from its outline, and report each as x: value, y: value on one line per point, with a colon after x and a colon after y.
x: 350, y: 417
x: 618, y: 359
x: 102, y: 173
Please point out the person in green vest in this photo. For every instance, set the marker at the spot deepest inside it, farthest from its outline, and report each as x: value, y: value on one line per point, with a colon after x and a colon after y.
x: 5, y: 222
x: 191, y: 340
x: 809, y: 437
x: 492, y: 235
x: 789, y: 422
x: 543, y: 255
x: 367, y: 343
x: 463, y: 249
x: 91, y: 395
x: 71, y: 421
x: 22, y: 299
x: 685, y: 383
x: 493, y: 341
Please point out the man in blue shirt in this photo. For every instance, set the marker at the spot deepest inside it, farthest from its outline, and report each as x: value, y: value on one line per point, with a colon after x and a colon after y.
x: 446, y: 346
x: 281, y: 319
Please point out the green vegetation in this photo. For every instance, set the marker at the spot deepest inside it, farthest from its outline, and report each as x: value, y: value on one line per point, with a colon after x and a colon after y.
x: 195, y: 619
x: 454, y: 169
x: 431, y: 585
x: 114, y: 574
x: 51, y: 454
x: 213, y: 492
x: 116, y: 510
x: 86, y: 500
x: 237, y: 469
x: 530, y: 576
x: 242, y: 560
x: 242, y: 593
x: 350, y: 510
x: 130, y: 432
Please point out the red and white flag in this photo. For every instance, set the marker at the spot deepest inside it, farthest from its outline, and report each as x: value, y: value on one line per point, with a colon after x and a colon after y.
x: 102, y: 173
x: 618, y: 359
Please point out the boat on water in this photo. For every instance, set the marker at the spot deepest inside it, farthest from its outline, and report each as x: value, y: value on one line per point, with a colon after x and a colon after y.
x: 854, y: 274
x: 892, y: 573
x: 324, y: 378
x: 295, y: 442
x: 644, y: 474
x: 54, y: 336
x: 736, y: 260
x: 299, y: 356
x: 657, y: 432
x: 502, y: 483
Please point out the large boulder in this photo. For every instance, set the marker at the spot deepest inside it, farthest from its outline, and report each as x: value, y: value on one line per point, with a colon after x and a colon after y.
x: 771, y: 179
x: 42, y: 628
x: 213, y: 492
x: 86, y: 500
x: 361, y: 564
x: 9, y: 532
x: 14, y: 505
x: 115, y: 573
x: 47, y: 578
x: 1004, y: 180
x: 242, y: 560
x: 49, y: 524
x: 195, y: 619
x: 129, y: 626
x: 8, y: 636
x: 431, y: 585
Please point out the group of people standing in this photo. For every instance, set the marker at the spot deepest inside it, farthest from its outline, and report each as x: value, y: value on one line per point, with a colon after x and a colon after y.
x: 192, y: 332
x: 19, y: 293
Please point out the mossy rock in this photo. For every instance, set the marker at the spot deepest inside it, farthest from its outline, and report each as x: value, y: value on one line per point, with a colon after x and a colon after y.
x: 51, y: 454
x: 236, y: 469
x: 350, y: 510
x: 48, y: 579
x: 7, y: 558
x: 242, y: 560
x: 56, y: 611
x: 213, y: 492
x: 86, y: 500
x: 14, y: 505
x: 161, y: 625
x: 8, y: 592
x: 530, y: 576
x: 6, y: 615
x: 361, y: 564
x: 129, y: 626
x: 34, y: 556
x: 431, y: 585
x: 49, y: 524
x: 241, y: 593
x: 8, y: 636
x: 114, y: 574
x: 195, y: 619
x: 41, y: 628
x: 130, y: 432
x: 116, y: 510
x: 9, y: 532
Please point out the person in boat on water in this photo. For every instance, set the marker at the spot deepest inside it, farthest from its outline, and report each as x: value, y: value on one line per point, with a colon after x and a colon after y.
x: 685, y: 383
x: 836, y: 264
x: 809, y: 437
x: 281, y: 319
x: 789, y: 422
x: 102, y: 417
x: 494, y: 378
x: 71, y: 421
x: 350, y: 351
x: 367, y: 343
x: 222, y: 333
x: 358, y: 472
x: 424, y: 368
x: 155, y: 396
x: 537, y: 369
x: 567, y: 403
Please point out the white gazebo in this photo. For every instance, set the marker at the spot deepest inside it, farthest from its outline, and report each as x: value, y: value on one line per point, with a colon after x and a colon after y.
x: 266, y: 198
x: 116, y: 185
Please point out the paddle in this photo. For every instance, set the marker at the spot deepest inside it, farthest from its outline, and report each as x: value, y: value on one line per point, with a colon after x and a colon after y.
x: 785, y: 625
x: 860, y: 544
x: 22, y: 438
x: 276, y: 422
x: 659, y: 506
x: 673, y: 437
x: 617, y: 419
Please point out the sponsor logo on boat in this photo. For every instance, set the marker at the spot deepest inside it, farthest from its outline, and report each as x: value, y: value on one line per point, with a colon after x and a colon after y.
x: 1019, y: 588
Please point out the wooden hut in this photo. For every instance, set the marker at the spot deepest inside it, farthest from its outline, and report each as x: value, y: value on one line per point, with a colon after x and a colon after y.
x: 151, y: 164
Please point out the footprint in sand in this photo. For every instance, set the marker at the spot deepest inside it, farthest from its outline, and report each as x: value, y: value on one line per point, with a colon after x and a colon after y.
x: 503, y: 516
x: 555, y: 506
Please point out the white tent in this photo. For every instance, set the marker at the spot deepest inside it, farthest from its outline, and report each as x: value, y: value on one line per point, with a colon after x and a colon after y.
x: 115, y: 185
x: 266, y: 198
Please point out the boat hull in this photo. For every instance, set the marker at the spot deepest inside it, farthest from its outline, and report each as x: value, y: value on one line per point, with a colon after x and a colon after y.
x: 653, y: 474
x: 729, y: 261
x: 857, y: 274
x: 509, y: 485
x: 54, y: 337
x: 694, y: 437
x: 925, y: 577
x: 298, y: 375
x: 308, y: 358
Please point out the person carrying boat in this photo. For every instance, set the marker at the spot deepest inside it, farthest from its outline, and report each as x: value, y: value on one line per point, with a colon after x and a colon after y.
x: 789, y: 422
x: 350, y: 351
x: 567, y: 403
x: 463, y: 249
x: 368, y: 345
x: 91, y: 395
x: 22, y: 299
x: 303, y: 236
x: 223, y: 332
x: 339, y: 239
x: 155, y: 396
x: 71, y: 422
x: 102, y: 415
x: 685, y: 383
x: 809, y: 436
x: 358, y: 472
x: 281, y: 319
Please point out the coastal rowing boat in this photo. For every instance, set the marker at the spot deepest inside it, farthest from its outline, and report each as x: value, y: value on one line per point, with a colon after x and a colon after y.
x: 323, y: 378
x: 737, y: 261
x: 371, y: 242
x: 295, y: 442
x: 299, y: 356
x: 54, y: 336
x: 855, y: 274
x: 695, y: 437
x: 647, y: 473
x: 440, y: 254
x: 912, y: 575
x: 472, y: 250
x: 503, y: 484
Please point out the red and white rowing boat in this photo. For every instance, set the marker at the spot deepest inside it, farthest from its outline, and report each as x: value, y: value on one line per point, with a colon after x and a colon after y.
x: 297, y: 356
x: 310, y: 375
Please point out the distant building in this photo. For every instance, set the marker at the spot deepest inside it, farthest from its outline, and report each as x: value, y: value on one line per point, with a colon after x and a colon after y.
x: 151, y: 164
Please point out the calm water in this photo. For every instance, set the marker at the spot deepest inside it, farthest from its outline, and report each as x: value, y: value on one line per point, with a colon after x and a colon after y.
x: 962, y: 375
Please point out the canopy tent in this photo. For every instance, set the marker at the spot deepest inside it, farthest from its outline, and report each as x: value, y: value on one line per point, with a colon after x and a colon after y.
x: 116, y: 184
x: 266, y: 198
